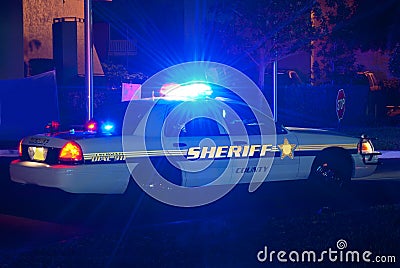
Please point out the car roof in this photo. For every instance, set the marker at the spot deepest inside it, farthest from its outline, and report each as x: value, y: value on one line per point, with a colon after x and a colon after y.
x: 166, y: 100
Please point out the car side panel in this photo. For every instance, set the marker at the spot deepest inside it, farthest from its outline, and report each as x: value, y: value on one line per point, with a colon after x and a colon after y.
x: 312, y: 144
x: 101, y: 178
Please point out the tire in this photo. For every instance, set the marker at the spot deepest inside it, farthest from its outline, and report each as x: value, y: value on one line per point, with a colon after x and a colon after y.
x: 332, y: 169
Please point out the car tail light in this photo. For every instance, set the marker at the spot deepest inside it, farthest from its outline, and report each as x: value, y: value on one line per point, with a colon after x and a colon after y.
x: 20, y: 148
x: 71, y: 152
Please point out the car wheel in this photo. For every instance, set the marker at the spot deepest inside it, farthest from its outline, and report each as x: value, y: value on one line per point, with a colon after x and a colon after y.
x: 333, y: 169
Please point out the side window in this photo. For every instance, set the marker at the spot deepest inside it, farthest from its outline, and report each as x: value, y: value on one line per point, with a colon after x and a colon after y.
x: 191, y: 119
x: 200, y: 127
x: 249, y: 121
x: 154, y: 121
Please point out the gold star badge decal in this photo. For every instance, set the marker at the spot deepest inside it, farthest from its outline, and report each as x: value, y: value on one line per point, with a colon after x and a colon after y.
x: 287, y: 149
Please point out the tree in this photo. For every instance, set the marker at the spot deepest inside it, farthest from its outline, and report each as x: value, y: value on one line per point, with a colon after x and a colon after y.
x: 116, y: 74
x: 334, y: 51
x: 356, y: 25
x: 394, y: 62
x: 265, y: 30
x: 375, y: 26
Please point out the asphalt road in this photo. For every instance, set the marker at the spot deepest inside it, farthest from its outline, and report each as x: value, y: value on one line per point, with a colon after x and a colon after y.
x: 33, y: 216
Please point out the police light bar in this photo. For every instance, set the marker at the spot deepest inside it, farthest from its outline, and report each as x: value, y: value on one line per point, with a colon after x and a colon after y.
x: 186, y: 91
x: 91, y: 126
x: 107, y: 128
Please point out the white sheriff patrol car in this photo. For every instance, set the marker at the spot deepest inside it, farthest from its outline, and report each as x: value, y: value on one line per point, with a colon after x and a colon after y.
x: 190, y: 142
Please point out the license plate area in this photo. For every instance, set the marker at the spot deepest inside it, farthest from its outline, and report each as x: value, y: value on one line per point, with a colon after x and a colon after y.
x: 37, y: 153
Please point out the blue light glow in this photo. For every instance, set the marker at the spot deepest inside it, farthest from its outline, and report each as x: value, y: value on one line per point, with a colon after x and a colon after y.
x: 194, y: 90
x: 107, y: 127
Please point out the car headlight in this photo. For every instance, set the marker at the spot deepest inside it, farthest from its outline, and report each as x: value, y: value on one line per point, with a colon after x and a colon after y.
x: 365, y: 147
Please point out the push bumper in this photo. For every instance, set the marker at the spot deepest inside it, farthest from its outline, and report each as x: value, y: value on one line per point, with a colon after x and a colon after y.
x: 371, y: 158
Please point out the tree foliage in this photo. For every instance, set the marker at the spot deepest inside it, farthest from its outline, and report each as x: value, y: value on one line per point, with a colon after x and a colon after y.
x: 394, y: 62
x: 375, y: 25
x: 335, y: 50
x: 116, y: 74
x: 357, y: 25
x: 265, y: 30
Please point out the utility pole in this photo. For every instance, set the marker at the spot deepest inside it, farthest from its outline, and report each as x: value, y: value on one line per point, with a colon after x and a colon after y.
x: 88, y: 57
x: 275, y: 79
x: 275, y: 88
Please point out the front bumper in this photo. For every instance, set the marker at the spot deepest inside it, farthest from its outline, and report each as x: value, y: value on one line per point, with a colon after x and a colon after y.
x: 102, y: 178
x: 371, y: 158
x: 364, y: 166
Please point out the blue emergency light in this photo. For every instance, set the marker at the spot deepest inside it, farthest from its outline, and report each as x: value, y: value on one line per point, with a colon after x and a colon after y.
x: 107, y: 127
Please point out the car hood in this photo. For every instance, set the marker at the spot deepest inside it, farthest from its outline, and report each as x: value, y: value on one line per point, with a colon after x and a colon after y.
x: 307, y: 136
x: 317, y: 131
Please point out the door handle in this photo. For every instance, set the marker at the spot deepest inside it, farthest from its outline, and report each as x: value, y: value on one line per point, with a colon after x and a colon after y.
x: 179, y: 144
x: 239, y: 143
